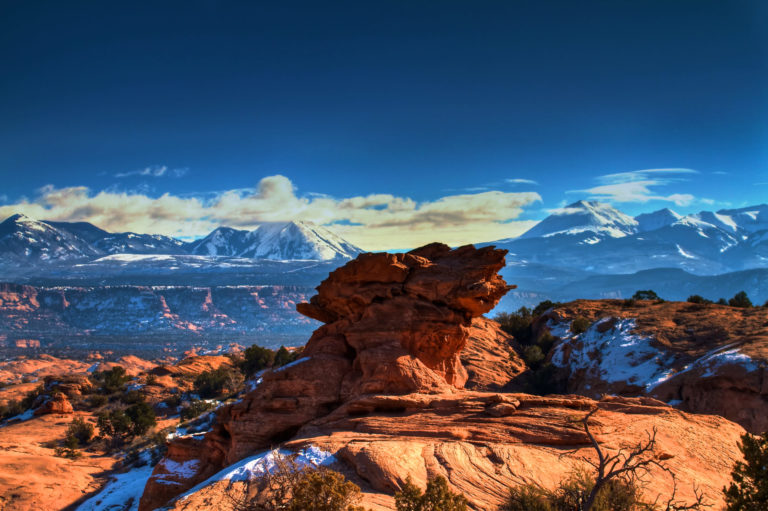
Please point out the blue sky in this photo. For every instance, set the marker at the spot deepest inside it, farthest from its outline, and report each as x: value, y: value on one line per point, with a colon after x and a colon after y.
x: 391, y: 121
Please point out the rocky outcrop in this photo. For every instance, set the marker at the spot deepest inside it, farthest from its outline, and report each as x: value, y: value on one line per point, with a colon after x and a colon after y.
x: 490, y: 357
x: 55, y: 404
x: 394, y: 324
x: 702, y: 358
x: 192, y: 366
x: 71, y: 385
x: 485, y: 443
x: 384, y: 387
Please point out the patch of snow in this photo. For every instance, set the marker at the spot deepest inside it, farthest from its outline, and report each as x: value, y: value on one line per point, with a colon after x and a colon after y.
x: 684, y: 253
x: 122, y: 493
x: 711, y: 362
x: 130, y: 258
x: 256, y: 466
x: 294, y: 363
x: 24, y: 416
x: 251, y: 384
x: 616, y: 355
x: 177, y: 470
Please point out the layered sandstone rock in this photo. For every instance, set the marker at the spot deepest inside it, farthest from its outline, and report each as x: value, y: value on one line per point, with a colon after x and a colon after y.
x: 56, y: 404
x: 71, y: 385
x: 491, y: 357
x: 395, y: 324
x: 486, y: 443
x: 192, y: 366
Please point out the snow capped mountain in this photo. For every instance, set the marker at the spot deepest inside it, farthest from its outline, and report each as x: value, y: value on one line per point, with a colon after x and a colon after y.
x: 656, y: 220
x: 750, y: 219
x: 23, y: 239
x: 122, y: 242
x: 276, y: 241
x: 223, y: 241
x: 585, y: 217
x: 25, y: 242
x: 597, y: 238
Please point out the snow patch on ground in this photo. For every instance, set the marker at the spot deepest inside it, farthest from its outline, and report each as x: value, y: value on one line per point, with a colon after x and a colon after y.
x: 122, y: 493
x: 256, y: 466
x: 621, y: 355
x: 24, y: 416
x: 616, y: 355
x: 178, y: 471
x: 294, y: 363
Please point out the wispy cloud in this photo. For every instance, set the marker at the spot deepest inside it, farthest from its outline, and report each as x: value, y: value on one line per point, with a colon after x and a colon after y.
x: 155, y: 171
x: 519, y: 181
x: 661, y: 176
x: 639, y: 186
x: 374, y: 222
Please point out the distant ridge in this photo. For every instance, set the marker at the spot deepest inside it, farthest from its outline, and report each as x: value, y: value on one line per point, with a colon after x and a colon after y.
x: 585, y: 216
x: 276, y: 241
x: 25, y: 241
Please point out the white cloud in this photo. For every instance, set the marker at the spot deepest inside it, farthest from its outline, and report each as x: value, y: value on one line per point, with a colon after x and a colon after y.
x: 638, y: 186
x: 374, y: 222
x: 155, y: 171
x: 519, y: 181
x: 661, y: 176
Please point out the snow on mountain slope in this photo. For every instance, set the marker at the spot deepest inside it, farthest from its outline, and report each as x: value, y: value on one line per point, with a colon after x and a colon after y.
x: 223, y: 241
x: 119, y: 242
x: 25, y: 242
x: 23, y: 239
x: 276, y: 241
x: 585, y: 216
x: 656, y: 220
x: 750, y: 219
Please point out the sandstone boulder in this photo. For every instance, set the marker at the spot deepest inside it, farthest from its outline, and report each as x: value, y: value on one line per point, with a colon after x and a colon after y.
x: 56, y: 404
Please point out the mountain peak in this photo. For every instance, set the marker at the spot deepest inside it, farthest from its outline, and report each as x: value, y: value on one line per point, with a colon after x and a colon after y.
x: 657, y: 219
x: 18, y: 217
x: 585, y: 216
x: 294, y: 239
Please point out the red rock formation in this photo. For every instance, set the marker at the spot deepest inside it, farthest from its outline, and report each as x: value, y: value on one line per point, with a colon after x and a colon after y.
x: 486, y: 443
x: 55, y: 404
x: 395, y: 324
x: 490, y: 357
x: 71, y: 385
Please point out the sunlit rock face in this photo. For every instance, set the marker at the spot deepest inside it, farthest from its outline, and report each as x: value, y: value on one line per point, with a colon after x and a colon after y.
x: 394, y: 324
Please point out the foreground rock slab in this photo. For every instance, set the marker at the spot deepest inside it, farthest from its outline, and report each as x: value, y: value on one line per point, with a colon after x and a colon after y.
x: 379, y: 441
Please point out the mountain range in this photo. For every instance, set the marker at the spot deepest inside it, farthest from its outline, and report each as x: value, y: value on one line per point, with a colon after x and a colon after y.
x: 584, y: 250
x: 25, y: 242
x: 591, y: 249
x: 596, y: 237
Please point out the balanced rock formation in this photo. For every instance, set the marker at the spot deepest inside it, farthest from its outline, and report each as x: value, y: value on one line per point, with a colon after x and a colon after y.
x: 395, y: 324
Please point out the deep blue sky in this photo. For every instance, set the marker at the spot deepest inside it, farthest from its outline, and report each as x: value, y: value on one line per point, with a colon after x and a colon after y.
x: 418, y: 99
